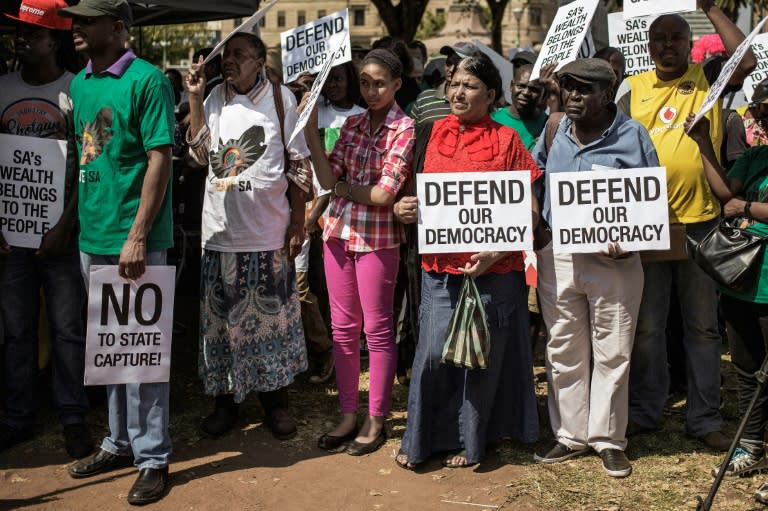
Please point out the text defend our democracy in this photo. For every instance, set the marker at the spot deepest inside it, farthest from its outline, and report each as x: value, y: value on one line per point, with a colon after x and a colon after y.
x: 593, y: 208
x: 474, y: 211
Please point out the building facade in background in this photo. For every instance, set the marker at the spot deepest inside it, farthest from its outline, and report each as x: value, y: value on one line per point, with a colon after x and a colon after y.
x: 527, y: 19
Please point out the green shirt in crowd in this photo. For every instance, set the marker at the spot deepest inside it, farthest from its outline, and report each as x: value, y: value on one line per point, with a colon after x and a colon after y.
x: 120, y: 114
x: 529, y: 129
x: 750, y: 169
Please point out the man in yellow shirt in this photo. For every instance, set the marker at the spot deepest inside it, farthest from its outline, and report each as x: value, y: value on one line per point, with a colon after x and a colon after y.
x: 660, y: 99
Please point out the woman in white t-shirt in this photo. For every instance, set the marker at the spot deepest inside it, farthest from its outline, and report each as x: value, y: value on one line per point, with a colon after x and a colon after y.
x: 340, y: 100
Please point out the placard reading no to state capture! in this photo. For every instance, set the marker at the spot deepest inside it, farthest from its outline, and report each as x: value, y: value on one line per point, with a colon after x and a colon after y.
x: 474, y: 211
x: 32, y: 174
x: 625, y: 206
x: 130, y: 326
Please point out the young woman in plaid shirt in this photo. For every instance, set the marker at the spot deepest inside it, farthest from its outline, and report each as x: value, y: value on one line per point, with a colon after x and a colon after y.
x: 366, y: 169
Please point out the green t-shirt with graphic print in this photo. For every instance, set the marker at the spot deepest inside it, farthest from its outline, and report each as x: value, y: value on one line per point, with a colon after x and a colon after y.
x: 117, y: 120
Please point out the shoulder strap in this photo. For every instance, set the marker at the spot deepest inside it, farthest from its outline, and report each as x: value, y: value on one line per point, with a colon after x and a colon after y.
x: 278, y: 97
x: 553, y: 121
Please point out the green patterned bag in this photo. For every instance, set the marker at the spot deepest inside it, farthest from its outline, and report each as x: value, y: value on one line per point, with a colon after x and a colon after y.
x: 467, y: 342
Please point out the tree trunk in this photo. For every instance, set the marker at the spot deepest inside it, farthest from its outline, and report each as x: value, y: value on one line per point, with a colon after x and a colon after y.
x: 402, y: 20
x: 497, y: 8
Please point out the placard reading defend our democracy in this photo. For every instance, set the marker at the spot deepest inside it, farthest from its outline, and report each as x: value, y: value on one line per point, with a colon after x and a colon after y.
x: 474, y: 211
x: 306, y: 48
x: 625, y: 206
x: 130, y: 326
x: 32, y: 175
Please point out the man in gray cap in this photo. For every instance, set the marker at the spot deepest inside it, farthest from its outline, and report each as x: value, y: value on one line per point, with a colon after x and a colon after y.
x: 590, y: 302
x: 125, y: 122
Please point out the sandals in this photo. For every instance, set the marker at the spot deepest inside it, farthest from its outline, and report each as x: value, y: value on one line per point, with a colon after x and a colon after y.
x: 402, y: 461
x: 449, y: 463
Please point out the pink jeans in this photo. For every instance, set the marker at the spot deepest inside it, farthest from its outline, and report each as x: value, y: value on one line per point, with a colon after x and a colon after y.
x: 361, y: 286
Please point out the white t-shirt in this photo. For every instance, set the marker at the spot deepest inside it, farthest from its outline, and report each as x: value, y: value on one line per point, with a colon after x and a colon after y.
x: 43, y: 111
x: 245, y: 207
x: 329, y: 116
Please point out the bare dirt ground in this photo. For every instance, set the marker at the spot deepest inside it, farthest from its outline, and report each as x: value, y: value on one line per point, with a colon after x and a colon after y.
x: 250, y: 470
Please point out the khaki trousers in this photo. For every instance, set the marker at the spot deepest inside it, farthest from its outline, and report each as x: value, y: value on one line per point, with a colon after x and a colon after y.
x: 590, y: 305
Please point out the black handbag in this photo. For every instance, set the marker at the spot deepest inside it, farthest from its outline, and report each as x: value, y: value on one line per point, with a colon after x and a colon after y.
x: 732, y: 256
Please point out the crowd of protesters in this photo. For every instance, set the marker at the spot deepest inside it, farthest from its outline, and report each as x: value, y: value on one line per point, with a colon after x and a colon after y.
x: 308, y: 242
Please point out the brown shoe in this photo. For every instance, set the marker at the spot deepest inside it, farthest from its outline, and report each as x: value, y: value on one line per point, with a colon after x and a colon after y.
x: 325, y: 372
x: 280, y: 422
x: 716, y: 440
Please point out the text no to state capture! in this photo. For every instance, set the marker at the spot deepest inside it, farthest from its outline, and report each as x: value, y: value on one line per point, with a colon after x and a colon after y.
x: 126, y: 359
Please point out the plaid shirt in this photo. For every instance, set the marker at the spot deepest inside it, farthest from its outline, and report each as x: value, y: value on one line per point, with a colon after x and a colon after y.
x: 382, y: 159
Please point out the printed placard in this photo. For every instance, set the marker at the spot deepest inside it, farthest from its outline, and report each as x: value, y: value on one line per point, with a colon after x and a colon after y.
x: 726, y: 72
x: 631, y: 37
x: 317, y: 88
x: 639, y: 8
x: 565, y: 35
x: 246, y: 26
x: 760, y: 49
x: 32, y: 175
x: 130, y: 326
x: 593, y: 208
x: 474, y: 211
x: 306, y: 48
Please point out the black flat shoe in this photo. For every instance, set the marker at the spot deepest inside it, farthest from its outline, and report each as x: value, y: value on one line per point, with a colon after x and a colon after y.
x: 99, y: 463
x: 358, y: 449
x: 149, y: 487
x: 331, y: 443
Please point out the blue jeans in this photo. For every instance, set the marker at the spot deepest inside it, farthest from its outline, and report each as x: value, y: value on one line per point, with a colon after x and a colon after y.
x: 138, y: 412
x: 649, y: 376
x: 21, y: 276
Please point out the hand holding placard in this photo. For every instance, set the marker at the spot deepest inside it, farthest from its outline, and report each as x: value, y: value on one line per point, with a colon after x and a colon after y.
x: 565, y: 35
x: 130, y: 326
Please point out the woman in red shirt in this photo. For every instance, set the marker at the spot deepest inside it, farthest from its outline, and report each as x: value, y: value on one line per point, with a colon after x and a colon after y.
x: 449, y: 408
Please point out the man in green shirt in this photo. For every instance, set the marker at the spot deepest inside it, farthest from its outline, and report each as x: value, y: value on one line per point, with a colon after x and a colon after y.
x: 524, y: 115
x: 123, y: 111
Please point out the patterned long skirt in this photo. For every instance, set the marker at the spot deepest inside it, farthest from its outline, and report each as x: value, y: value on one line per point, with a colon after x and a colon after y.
x: 251, y: 338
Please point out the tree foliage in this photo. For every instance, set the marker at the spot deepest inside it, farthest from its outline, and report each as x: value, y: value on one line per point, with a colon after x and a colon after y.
x: 731, y: 7
x: 179, y: 41
x: 402, y: 18
x: 497, y: 8
x: 431, y: 25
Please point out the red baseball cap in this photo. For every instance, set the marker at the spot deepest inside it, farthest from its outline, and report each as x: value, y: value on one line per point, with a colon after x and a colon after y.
x: 43, y: 13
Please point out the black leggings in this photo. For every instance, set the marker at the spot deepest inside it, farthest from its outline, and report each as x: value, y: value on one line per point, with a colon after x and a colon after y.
x: 748, y: 337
